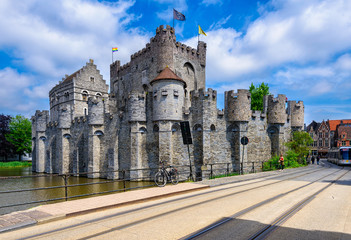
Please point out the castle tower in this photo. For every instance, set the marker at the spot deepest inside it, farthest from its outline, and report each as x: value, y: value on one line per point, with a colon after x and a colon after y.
x: 276, y: 112
x: 238, y: 105
x: 114, y: 68
x: 136, y: 106
x: 96, y: 134
x: 204, y: 118
x: 168, y: 96
x: 96, y: 111
x: 65, y: 116
x: 296, y: 112
x: 39, y: 123
x: 163, y: 44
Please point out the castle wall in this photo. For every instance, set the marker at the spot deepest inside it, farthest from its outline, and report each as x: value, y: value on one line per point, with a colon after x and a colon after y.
x: 137, y: 125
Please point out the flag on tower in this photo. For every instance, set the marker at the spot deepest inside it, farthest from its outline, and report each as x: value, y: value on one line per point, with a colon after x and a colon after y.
x: 178, y: 16
x: 114, y: 49
x: 201, y: 31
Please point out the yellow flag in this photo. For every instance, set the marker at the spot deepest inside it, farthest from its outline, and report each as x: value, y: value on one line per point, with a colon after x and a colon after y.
x: 201, y: 31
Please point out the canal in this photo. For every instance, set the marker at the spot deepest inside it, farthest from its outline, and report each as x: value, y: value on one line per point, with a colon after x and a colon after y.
x: 7, y: 184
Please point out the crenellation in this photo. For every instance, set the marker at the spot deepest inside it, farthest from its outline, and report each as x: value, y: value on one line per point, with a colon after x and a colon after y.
x: 238, y: 105
x: 276, y: 111
x: 136, y: 124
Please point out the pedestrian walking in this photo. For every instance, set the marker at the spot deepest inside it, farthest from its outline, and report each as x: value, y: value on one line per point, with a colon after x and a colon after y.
x: 312, y: 159
x: 281, y: 162
x: 318, y: 158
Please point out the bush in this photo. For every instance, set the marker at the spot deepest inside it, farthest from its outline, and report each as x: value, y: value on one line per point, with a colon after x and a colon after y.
x: 271, y: 164
x: 15, y: 164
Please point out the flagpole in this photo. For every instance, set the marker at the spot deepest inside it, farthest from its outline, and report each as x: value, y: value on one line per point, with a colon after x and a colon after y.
x: 112, y: 56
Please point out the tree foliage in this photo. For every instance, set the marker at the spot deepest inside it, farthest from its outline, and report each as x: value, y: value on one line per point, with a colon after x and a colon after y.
x: 20, y: 135
x: 257, y: 94
x: 300, y: 143
x: 6, y: 148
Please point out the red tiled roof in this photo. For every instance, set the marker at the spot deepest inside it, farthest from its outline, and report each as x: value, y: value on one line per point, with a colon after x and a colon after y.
x: 346, y: 130
x: 334, y: 123
x: 167, y: 74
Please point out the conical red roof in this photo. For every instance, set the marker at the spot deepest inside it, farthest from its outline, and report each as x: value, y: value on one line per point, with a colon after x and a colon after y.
x: 168, y: 74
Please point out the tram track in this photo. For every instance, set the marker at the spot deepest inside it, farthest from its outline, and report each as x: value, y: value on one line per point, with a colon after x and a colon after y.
x: 291, y: 176
x: 280, y: 220
x: 262, y: 232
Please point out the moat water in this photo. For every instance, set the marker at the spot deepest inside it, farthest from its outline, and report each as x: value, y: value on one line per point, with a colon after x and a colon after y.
x: 49, y: 181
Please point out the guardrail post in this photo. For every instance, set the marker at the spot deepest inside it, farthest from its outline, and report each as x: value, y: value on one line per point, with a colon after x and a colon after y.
x: 65, y: 178
x: 227, y: 169
x: 211, y: 173
x: 253, y: 167
x: 124, y: 179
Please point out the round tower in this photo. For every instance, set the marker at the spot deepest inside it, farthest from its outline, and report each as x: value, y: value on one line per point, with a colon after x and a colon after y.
x: 296, y: 112
x: 276, y: 112
x: 238, y: 105
x: 136, y: 106
x: 168, y: 96
x: 163, y: 44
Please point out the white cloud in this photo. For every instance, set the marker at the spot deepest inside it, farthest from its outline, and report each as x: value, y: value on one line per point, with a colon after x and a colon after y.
x: 211, y: 2
x: 54, y: 38
x: 296, y: 32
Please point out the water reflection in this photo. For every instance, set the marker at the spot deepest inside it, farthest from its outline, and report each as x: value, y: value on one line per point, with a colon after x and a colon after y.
x: 48, y: 181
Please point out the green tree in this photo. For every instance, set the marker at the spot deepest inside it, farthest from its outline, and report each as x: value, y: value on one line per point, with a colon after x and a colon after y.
x: 6, y: 148
x: 20, y: 135
x: 300, y: 143
x: 257, y: 94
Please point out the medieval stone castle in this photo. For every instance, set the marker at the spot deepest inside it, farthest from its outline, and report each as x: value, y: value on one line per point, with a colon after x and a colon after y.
x: 136, y: 124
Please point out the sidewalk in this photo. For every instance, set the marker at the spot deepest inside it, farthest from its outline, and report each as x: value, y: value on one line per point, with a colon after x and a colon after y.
x: 60, y: 210
x: 51, y: 212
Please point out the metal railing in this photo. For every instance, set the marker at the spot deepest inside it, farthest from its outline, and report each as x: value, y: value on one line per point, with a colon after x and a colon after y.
x: 124, y: 180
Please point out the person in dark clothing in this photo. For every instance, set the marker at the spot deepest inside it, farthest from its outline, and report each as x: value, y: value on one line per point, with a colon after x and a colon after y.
x: 318, y: 158
x: 312, y: 159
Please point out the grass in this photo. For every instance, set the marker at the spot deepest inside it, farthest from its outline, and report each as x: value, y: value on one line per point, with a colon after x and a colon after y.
x: 225, y: 175
x: 15, y: 164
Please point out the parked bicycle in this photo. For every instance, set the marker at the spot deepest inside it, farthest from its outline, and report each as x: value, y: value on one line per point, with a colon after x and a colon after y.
x: 163, y: 176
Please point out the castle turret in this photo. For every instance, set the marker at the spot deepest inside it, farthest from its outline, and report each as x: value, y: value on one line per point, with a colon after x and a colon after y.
x: 39, y: 123
x: 136, y: 106
x: 296, y: 112
x: 276, y: 112
x: 65, y: 116
x: 96, y: 111
x: 238, y: 105
x: 163, y: 44
x: 114, y: 68
x: 168, y: 96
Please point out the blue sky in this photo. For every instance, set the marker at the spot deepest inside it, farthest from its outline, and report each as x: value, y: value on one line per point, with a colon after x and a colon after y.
x: 300, y: 48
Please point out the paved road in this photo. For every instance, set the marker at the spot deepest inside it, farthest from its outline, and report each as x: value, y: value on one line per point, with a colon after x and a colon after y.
x: 241, y: 209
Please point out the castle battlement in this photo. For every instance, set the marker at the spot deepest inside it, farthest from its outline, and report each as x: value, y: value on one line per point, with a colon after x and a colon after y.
x: 202, y: 94
x: 276, y: 111
x: 137, y: 124
x: 238, y: 105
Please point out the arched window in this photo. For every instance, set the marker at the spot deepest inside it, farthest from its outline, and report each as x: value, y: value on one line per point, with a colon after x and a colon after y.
x: 98, y: 133
x: 156, y: 128
x: 142, y: 130
x: 213, y: 128
x: 85, y: 111
x: 98, y: 95
x: 233, y: 128
x: 197, y: 128
x: 85, y: 95
x: 67, y: 136
x: 175, y: 127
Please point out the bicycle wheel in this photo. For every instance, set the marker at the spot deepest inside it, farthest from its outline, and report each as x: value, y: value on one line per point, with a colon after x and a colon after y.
x: 160, y: 179
x: 174, y: 176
